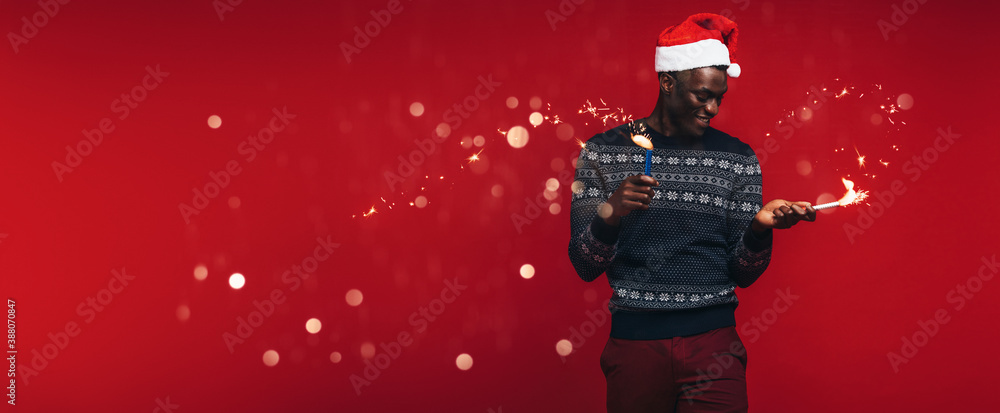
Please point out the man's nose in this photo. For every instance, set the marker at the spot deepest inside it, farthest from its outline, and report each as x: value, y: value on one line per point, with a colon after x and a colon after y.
x: 712, y: 108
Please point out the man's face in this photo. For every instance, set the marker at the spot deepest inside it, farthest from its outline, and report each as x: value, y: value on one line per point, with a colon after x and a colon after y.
x: 694, y: 100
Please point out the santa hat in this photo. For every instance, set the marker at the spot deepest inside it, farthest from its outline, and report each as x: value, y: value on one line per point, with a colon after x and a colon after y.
x: 703, y: 40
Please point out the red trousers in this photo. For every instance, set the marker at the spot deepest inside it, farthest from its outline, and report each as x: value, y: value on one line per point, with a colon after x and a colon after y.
x: 700, y: 373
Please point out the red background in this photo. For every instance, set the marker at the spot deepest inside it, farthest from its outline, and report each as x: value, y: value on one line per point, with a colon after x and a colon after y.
x: 859, y: 294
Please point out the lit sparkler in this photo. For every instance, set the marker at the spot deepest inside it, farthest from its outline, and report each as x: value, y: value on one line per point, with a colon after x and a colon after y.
x: 646, y: 144
x: 851, y: 197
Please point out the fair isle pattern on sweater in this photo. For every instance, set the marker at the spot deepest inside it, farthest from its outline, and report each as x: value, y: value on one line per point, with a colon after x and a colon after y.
x: 693, y: 247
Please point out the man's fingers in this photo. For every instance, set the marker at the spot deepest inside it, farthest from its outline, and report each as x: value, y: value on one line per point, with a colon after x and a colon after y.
x: 639, y: 196
x: 631, y: 205
x: 643, y: 190
x: 642, y: 180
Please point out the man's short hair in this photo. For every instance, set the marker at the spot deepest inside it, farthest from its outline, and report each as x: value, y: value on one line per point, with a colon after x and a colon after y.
x: 683, y: 75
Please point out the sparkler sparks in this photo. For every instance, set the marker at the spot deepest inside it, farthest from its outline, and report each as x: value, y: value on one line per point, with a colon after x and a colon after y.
x: 604, y: 113
x: 474, y: 157
x: 850, y: 198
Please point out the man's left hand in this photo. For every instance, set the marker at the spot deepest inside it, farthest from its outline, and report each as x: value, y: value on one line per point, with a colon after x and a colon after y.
x: 782, y: 214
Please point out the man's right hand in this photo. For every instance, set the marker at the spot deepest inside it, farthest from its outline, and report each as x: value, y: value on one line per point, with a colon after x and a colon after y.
x: 635, y: 192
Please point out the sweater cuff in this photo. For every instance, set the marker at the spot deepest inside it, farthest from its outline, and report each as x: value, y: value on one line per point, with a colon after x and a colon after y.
x: 757, y: 243
x: 603, y: 232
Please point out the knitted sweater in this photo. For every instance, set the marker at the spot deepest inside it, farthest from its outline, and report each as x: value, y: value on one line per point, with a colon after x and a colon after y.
x: 675, y: 266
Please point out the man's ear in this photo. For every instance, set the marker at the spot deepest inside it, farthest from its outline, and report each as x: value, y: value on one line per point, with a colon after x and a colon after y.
x: 667, y: 83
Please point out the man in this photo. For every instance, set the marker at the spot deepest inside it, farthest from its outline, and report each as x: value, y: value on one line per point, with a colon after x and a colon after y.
x: 675, y: 245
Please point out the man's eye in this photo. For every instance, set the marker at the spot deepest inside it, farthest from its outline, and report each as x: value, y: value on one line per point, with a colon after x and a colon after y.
x: 702, y: 99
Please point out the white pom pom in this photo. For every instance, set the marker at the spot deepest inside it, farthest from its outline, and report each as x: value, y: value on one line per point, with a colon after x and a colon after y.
x: 734, y: 70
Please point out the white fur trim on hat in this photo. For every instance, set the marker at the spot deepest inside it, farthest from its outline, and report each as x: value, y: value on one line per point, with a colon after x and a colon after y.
x: 703, y: 53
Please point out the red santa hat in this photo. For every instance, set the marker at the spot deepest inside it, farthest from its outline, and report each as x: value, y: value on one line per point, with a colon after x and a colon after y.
x: 703, y: 40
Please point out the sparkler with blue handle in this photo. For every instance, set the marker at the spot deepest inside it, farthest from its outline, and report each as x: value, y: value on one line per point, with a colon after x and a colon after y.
x: 648, y: 145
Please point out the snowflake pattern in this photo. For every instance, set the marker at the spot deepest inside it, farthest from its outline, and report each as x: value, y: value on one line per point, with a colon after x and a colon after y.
x: 627, y: 294
x: 694, y: 197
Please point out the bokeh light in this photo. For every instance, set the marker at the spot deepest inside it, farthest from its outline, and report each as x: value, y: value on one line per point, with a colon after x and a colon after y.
x: 535, y: 103
x: 805, y: 113
x: 234, y: 202
x: 183, y: 312
x: 564, y: 131
x: 564, y: 347
x: 335, y: 357
x: 557, y: 164
x: 517, y: 137
x: 823, y: 198
x: 479, y: 141
x: 803, y: 167
x: 443, y: 130
x: 497, y: 190
x: 367, y: 350
x: 512, y: 102
x: 237, y: 281
x: 354, y: 297
x: 904, y: 101
x: 214, y: 122
x: 536, y: 119
x: 416, y: 109
x: 313, y: 325
x: 200, y: 272
x: 552, y: 184
x: 420, y: 202
x: 271, y: 358
x: 463, y: 361
x: 527, y: 271
x: 555, y: 209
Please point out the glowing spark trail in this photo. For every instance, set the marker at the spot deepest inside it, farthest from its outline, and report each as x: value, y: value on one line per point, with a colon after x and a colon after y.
x: 851, y: 197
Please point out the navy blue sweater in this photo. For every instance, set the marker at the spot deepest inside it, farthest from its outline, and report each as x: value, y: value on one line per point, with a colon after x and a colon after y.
x: 675, y: 266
